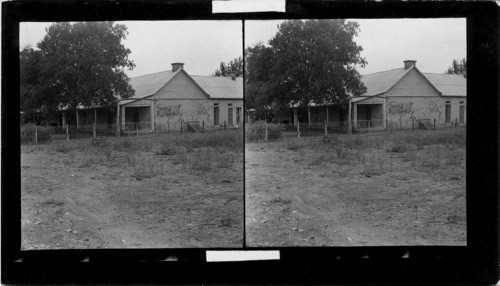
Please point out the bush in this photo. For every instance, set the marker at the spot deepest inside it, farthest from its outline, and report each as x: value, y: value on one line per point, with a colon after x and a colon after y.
x: 28, y: 133
x: 257, y: 130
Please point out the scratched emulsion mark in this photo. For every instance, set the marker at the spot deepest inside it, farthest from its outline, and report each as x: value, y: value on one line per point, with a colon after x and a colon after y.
x: 168, y: 111
x: 400, y: 107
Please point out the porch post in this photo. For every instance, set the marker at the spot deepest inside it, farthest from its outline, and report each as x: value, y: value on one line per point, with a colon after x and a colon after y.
x: 308, y: 116
x: 117, y: 118
x: 123, y: 117
x: 384, y: 115
x: 349, y: 116
x: 153, y: 115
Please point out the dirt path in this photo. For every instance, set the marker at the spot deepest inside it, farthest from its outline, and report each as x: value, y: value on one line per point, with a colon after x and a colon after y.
x: 70, y: 202
x: 306, y: 198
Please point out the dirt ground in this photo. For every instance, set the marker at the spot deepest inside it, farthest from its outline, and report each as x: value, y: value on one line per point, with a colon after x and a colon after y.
x: 310, y: 193
x: 100, y: 197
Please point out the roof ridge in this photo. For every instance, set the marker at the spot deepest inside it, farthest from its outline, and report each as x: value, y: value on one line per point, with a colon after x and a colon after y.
x: 216, y: 76
x: 150, y: 74
x: 440, y: 73
x: 382, y: 71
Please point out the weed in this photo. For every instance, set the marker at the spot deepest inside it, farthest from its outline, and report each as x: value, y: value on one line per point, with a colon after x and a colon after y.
x: 63, y: 148
x: 88, y: 163
x: 180, y: 159
x: 293, y: 145
x: 318, y: 161
x: 53, y: 202
x: 142, y: 174
x: 201, y: 161
x: 280, y: 200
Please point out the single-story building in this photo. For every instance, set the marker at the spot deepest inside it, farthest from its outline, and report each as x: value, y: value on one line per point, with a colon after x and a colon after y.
x: 165, y: 101
x: 174, y: 98
x: 396, y: 99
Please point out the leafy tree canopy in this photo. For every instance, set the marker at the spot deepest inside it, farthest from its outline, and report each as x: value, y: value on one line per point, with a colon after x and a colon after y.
x: 76, y: 64
x: 235, y: 67
x: 312, y: 61
x: 457, y: 66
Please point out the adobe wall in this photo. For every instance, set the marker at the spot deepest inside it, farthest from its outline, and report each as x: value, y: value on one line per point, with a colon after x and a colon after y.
x: 414, y: 98
x: 403, y: 110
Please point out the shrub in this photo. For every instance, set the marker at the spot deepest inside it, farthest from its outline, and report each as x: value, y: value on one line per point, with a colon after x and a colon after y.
x: 257, y: 130
x: 28, y: 133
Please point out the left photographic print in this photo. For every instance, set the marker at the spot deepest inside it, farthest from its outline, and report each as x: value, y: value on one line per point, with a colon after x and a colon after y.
x: 131, y: 134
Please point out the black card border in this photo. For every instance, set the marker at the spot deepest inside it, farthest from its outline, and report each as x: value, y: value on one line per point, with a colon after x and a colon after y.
x: 475, y: 263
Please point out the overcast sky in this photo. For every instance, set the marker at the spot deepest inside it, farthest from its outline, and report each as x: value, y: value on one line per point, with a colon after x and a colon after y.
x: 201, y: 45
x: 386, y: 43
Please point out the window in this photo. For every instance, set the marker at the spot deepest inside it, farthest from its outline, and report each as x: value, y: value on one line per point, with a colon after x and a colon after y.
x: 230, y: 116
x: 447, y: 112
x: 461, y: 115
x: 216, y: 114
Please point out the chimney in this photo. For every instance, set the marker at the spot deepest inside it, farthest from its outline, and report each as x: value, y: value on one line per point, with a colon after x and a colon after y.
x: 233, y: 76
x: 177, y: 66
x: 409, y: 64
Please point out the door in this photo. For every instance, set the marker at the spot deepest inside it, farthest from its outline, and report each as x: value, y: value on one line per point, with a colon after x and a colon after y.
x: 216, y: 115
x: 448, y: 113
x: 230, y: 116
x: 238, y: 115
x: 462, y: 114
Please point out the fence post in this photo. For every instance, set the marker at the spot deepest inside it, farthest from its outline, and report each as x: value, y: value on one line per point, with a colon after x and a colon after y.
x: 36, y: 134
x: 326, y: 129
x: 67, y: 132
x: 181, y: 127
x: 203, y: 125
x: 298, y: 129
x: 434, y: 123
x: 369, y: 123
x: 137, y: 129
x: 266, y: 136
x: 93, y: 130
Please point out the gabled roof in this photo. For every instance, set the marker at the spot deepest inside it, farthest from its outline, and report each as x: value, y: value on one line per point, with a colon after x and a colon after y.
x: 220, y: 87
x: 215, y: 87
x: 380, y: 82
x: 448, y: 84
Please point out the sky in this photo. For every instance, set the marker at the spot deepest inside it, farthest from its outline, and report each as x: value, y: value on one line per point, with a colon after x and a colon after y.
x: 386, y: 43
x: 202, y: 45
x: 154, y: 45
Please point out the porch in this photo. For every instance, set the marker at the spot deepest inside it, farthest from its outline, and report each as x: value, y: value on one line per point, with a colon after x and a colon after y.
x: 368, y: 116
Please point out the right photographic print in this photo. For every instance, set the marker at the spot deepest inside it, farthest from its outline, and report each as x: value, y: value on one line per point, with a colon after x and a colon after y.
x: 355, y: 132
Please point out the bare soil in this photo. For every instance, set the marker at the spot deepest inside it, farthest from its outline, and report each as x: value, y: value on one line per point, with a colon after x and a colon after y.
x: 338, y: 194
x: 100, y: 197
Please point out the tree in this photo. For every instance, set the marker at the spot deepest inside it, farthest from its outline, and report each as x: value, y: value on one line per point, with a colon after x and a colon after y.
x: 80, y: 64
x: 457, y: 67
x: 235, y: 67
x: 307, y: 62
x: 259, y: 60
